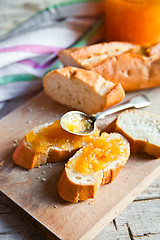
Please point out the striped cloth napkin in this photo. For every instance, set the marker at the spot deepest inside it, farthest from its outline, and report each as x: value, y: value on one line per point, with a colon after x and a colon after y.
x: 30, y: 50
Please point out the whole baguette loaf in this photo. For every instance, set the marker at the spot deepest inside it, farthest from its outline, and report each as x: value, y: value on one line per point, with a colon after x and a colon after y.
x: 81, y: 89
x: 134, y: 66
x: 141, y: 129
x: 48, y: 143
x: 87, y: 169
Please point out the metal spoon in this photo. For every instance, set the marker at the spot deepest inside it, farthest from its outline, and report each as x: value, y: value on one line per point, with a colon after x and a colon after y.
x: 89, y: 120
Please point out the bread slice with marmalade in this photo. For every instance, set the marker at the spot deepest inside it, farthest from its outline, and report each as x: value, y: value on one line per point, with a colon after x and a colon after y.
x: 48, y: 143
x: 93, y: 165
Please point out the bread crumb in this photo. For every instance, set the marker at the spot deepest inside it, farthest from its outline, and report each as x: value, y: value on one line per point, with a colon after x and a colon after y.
x: 43, y: 172
x: 29, y: 109
x: 14, y: 144
x: 38, y: 178
x: 1, y: 163
x: 15, y: 141
x: 44, y: 179
x: 29, y: 122
x: 55, y: 206
x: 39, y: 166
x: 91, y: 202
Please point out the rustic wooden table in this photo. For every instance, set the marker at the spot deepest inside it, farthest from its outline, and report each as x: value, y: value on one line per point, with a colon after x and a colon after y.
x: 140, y: 220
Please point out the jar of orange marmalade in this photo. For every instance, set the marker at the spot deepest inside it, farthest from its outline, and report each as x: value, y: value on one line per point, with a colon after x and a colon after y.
x: 135, y: 21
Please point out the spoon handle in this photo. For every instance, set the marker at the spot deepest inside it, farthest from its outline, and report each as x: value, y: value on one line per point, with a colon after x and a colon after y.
x: 137, y: 102
x: 107, y: 112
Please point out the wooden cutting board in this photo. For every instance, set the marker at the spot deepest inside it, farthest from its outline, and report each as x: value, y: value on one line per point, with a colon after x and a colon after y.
x: 35, y: 192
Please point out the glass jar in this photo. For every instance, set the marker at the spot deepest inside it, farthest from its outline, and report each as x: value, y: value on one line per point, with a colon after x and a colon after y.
x: 135, y: 21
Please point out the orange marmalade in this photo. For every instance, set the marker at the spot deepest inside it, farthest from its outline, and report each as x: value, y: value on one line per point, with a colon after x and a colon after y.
x: 98, y: 154
x: 53, y: 135
x: 76, y: 123
x: 135, y: 21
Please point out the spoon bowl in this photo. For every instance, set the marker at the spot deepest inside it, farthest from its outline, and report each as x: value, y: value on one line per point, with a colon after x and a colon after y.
x: 79, y: 123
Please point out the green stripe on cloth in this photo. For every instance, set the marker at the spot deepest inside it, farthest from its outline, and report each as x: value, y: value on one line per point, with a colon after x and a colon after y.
x: 71, y: 2
x: 82, y: 42
x: 17, y: 78
x: 25, y: 77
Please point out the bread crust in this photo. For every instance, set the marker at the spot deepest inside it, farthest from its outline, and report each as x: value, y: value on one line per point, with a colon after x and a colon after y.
x: 25, y: 157
x: 115, y: 96
x: 59, y: 155
x: 134, y: 66
x: 72, y: 192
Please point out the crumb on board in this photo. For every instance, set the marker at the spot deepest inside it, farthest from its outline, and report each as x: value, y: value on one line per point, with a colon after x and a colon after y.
x: 44, y: 179
x: 91, y: 202
x: 1, y: 163
x: 29, y: 121
x: 38, y: 178
x: 55, y: 206
x: 29, y: 109
x: 43, y: 172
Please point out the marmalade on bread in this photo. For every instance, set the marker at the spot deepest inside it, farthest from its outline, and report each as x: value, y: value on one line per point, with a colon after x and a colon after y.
x: 98, y: 154
x: 55, y: 135
x: 76, y: 123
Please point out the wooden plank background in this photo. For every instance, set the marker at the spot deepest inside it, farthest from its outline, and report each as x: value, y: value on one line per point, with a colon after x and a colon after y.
x: 140, y: 220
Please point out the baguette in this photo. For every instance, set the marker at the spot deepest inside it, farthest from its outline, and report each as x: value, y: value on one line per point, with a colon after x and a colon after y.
x: 141, y: 129
x: 96, y: 164
x: 48, y: 143
x: 81, y: 89
x: 134, y: 66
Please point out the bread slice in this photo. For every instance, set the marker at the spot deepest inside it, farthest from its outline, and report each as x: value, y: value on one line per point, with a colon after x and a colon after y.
x: 81, y: 89
x: 97, y: 163
x: 48, y: 143
x: 142, y: 130
x: 134, y: 66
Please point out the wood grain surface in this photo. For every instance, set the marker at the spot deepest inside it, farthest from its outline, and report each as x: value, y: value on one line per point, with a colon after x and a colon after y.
x: 36, y: 193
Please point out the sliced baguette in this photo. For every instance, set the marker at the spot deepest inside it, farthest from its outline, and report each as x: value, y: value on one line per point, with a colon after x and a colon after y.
x: 75, y: 185
x: 48, y: 143
x: 141, y: 129
x: 134, y: 66
x: 81, y: 89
